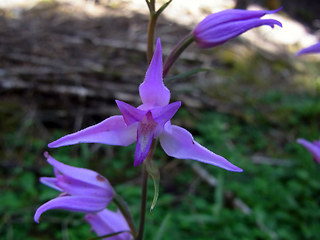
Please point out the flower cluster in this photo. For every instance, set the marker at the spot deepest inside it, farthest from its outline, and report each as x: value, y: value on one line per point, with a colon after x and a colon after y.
x: 86, y: 191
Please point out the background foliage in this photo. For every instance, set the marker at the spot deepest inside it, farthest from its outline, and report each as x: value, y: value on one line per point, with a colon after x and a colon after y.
x: 251, y: 110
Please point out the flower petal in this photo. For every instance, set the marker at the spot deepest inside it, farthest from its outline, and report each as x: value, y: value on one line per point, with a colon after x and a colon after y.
x: 163, y: 114
x: 230, y: 15
x: 112, y: 131
x: 108, y: 222
x: 222, y: 33
x: 50, y: 182
x: 313, y: 148
x: 72, y: 203
x: 80, y: 174
x: 312, y: 49
x: 146, y: 132
x: 178, y: 142
x: 152, y: 91
x: 130, y: 114
x: 75, y: 187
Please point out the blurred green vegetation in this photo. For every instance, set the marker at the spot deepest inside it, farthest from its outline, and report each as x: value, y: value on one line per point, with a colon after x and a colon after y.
x: 282, y: 191
x: 264, y: 103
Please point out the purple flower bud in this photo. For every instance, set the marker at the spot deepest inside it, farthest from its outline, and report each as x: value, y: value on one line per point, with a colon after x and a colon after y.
x: 309, y: 50
x: 82, y: 190
x: 107, y: 222
x: 312, y: 147
x: 219, y: 27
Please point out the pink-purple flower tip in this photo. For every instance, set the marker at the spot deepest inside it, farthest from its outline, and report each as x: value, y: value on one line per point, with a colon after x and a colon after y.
x: 310, y: 50
x: 312, y: 147
x: 220, y: 27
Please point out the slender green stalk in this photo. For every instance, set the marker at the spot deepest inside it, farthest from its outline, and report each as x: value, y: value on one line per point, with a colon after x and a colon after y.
x: 122, y: 205
x: 151, y: 30
x: 143, y: 203
x: 144, y: 191
x: 176, y: 52
x: 152, y: 24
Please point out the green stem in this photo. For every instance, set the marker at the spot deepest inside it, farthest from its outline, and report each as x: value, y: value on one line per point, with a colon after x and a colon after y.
x: 122, y: 205
x: 151, y: 30
x: 152, y: 25
x: 176, y: 52
x: 143, y: 203
x: 144, y: 191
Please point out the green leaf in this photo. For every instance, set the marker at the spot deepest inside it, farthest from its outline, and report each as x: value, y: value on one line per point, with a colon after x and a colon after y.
x: 219, y: 195
x: 163, y: 226
x: 154, y: 172
x: 163, y: 7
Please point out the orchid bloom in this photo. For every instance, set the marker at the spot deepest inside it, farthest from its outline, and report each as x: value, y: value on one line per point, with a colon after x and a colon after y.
x: 108, y: 222
x: 309, y: 50
x: 150, y: 120
x: 312, y: 147
x: 82, y: 190
x: 220, y: 27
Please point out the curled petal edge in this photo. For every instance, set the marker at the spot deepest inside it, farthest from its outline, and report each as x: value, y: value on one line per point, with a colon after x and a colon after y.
x: 74, y: 204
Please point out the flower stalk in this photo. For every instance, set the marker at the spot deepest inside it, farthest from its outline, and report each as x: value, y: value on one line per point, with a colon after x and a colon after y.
x: 152, y: 25
x: 122, y: 205
x: 176, y: 52
x: 144, y: 191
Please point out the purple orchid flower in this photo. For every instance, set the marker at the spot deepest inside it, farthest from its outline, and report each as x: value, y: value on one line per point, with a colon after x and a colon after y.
x: 309, y: 50
x: 220, y: 27
x: 312, y: 147
x: 107, y: 222
x: 82, y: 190
x: 150, y: 120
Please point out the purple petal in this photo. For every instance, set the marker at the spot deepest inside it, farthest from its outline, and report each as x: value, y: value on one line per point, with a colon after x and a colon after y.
x: 107, y: 222
x: 50, y: 182
x: 178, y: 142
x: 80, y: 188
x: 130, y: 114
x: 146, y: 132
x: 72, y: 203
x: 226, y: 31
x: 229, y: 15
x: 152, y: 91
x: 112, y: 131
x: 163, y: 114
x: 309, y: 50
x: 313, y: 148
x: 80, y: 174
